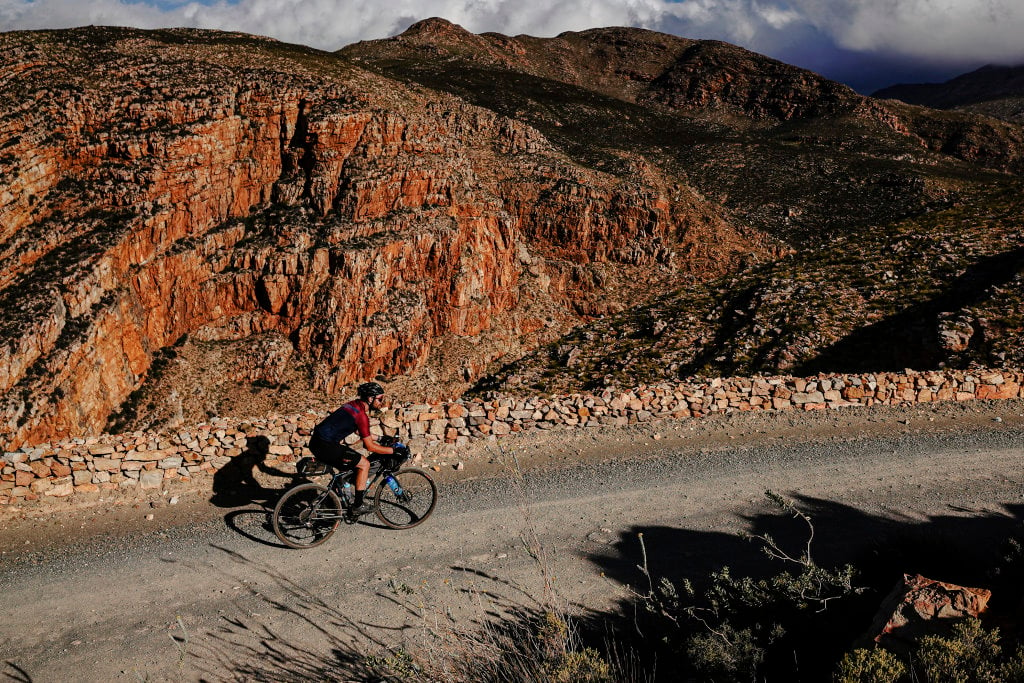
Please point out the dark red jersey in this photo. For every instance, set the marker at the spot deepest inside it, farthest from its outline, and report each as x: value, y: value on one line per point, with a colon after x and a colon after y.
x: 348, y: 419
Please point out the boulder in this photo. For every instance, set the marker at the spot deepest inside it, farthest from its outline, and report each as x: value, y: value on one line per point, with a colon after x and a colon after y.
x: 919, y: 606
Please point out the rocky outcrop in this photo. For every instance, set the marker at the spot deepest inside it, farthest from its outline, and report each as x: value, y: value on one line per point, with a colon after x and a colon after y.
x: 180, y: 183
x: 919, y: 606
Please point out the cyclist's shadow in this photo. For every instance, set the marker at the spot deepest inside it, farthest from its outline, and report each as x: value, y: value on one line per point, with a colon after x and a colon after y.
x: 235, y: 485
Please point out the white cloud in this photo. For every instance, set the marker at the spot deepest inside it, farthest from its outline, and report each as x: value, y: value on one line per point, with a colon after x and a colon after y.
x: 935, y: 30
x: 926, y: 30
x: 777, y: 17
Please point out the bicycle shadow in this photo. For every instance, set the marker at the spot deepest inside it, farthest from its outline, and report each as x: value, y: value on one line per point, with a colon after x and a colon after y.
x: 246, y: 522
x: 236, y: 486
x: 257, y: 526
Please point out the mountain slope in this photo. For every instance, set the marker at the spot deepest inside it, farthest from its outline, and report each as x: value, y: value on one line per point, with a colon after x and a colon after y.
x: 996, y: 91
x: 194, y: 222
x: 259, y: 207
x: 792, y: 153
x: 815, y: 167
x: 941, y: 290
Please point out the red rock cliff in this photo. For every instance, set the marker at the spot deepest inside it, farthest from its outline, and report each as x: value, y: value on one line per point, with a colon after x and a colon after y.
x: 162, y: 184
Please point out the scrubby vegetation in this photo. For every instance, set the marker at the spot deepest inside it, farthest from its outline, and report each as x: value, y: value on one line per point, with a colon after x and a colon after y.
x: 791, y: 619
x: 941, y: 290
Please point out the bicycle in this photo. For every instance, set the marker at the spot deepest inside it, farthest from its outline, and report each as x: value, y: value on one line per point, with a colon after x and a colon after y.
x: 308, y: 514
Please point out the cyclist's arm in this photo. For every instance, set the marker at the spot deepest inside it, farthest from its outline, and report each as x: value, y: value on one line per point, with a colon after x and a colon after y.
x: 371, y: 445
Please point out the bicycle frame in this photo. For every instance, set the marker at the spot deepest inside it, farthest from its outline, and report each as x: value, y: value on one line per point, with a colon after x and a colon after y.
x: 376, y: 474
x: 308, y: 513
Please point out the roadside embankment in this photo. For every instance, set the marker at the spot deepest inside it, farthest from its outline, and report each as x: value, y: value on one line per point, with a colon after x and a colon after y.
x: 142, y: 462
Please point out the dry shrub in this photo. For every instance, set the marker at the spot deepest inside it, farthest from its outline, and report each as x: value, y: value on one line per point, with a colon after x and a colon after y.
x: 870, y: 666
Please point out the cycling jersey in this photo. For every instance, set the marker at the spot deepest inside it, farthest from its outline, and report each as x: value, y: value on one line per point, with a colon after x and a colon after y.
x: 348, y: 419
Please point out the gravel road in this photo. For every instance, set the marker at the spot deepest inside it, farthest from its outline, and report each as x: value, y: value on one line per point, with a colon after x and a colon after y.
x: 102, y: 593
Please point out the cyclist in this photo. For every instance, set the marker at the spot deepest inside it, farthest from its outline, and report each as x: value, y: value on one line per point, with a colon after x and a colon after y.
x: 328, y: 441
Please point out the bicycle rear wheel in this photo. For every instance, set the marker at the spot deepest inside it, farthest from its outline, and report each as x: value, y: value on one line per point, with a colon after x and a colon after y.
x: 306, y: 516
x: 410, y: 502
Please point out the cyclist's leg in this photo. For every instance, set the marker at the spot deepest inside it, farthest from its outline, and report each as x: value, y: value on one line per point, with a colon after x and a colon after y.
x: 344, y: 458
x: 362, y: 468
x: 334, y: 454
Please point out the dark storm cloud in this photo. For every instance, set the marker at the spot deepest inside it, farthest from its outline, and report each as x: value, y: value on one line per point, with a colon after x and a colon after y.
x: 867, y: 43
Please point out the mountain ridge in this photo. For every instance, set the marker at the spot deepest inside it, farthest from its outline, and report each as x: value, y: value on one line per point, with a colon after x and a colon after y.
x: 993, y: 90
x: 202, y: 223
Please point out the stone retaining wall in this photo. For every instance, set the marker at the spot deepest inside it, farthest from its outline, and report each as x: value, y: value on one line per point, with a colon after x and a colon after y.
x: 147, y: 460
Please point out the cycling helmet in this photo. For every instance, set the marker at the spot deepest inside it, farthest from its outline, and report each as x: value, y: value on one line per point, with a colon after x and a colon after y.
x: 369, y: 390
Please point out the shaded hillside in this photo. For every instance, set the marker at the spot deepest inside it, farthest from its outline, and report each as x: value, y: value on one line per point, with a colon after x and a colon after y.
x: 194, y: 222
x: 996, y: 91
x: 942, y: 290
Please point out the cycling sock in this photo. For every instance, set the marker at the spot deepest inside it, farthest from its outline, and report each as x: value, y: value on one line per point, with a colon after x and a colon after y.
x: 359, y: 497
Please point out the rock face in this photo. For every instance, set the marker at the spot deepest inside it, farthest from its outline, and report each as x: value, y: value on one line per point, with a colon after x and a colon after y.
x: 180, y: 183
x: 379, y: 212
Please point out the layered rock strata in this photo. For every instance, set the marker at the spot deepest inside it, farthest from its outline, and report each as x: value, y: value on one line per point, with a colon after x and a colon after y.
x: 148, y: 460
x: 185, y: 183
x: 418, y: 205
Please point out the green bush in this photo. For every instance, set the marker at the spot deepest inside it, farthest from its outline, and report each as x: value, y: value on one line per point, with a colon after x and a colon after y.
x: 742, y: 628
x: 971, y: 654
x: 870, y: 666
x: 581, y: 666
x: 727, y: 654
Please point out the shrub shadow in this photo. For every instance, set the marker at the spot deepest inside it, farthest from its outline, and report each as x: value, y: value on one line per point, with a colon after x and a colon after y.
x: 966, y: 547
x: 15, y: 673
x: 252, y: 649
x: 507, y: 635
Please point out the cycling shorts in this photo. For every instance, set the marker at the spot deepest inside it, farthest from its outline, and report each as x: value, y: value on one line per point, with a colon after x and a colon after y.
x: 338, y: 455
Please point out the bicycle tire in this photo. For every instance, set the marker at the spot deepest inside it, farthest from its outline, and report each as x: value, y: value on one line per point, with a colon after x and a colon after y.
x: 416, y: 502
x: 306, y: 516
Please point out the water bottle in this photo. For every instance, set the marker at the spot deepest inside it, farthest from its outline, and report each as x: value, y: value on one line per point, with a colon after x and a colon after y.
x: 347, y: 492
x: 393, y: 485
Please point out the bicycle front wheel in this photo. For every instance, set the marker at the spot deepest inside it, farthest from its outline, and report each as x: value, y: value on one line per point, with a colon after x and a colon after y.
x: 409, y: 501
x: 306, y: 516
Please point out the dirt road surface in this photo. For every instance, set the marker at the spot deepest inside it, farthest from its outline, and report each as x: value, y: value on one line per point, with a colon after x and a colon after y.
x: 201, y: 592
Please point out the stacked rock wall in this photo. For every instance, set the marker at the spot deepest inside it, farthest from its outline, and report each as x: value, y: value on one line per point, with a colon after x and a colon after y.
x: 142, y: 461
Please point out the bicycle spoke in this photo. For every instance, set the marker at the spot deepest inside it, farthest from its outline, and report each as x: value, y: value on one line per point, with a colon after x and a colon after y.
x: 306, y: 516
x: 410, y: 501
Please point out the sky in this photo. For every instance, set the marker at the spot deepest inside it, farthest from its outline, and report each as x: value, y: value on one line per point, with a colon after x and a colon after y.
x: 867, y: 44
